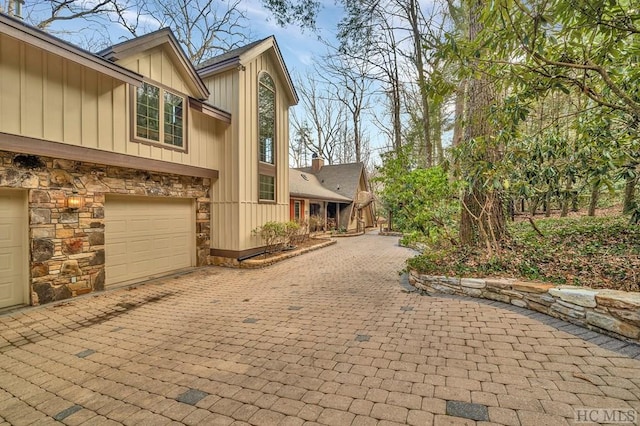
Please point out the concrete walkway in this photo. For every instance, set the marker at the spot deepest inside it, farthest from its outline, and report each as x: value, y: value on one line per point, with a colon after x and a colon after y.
x: 330, y: 337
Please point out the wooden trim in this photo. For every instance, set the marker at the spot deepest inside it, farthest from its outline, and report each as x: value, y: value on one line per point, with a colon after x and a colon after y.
x: 30, y: 35
x: 236, y: 254
x: 267, y: 169
x: 209, y: 110
x: 32, y: 146
x: 229, y: 64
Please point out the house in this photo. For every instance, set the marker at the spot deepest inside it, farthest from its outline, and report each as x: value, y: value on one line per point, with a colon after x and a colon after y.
x: 133, y: 163
x: 338, y: 194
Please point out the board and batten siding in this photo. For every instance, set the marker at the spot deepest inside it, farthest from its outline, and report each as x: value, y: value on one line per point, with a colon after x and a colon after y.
x: 45, y: 96
x: 236, y: 210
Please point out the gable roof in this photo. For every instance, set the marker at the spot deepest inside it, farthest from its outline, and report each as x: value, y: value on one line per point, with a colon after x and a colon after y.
x: 221, y: 61
x: 242, y: 55
x: 157, y: 38
x: 19, y: 30
x: 343, y: 179
x: 306, y: 185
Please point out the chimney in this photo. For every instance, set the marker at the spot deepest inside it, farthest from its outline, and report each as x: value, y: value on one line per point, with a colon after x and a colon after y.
x: 316, y: 163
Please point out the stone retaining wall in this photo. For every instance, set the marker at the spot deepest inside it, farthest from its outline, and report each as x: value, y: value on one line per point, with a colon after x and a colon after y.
x: 67, y: 252
x: 608, y: 311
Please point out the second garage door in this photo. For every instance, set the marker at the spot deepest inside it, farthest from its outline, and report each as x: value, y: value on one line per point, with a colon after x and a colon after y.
x: 146, y: 237
x: 13, y: 248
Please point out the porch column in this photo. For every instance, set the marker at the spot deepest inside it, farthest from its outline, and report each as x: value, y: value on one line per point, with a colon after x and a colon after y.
x: 325, y: 204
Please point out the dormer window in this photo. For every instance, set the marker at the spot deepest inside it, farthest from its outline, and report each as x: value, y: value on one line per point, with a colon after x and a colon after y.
x: 159, y: 116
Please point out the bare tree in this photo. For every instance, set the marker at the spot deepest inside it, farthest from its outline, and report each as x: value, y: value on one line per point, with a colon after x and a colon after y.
x: 352, y: 87
x: 322, y: 125
x: 204, y: 28
x: 367, y: 34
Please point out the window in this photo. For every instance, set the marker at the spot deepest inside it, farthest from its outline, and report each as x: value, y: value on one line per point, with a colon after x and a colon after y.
x: 267, y: 188
x: 159, y: 116
x: 266, y: 118
x: 266, y: 138
x: 296, y: 210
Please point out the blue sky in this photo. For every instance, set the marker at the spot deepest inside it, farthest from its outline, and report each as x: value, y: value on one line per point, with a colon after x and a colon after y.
x: 299, y: 47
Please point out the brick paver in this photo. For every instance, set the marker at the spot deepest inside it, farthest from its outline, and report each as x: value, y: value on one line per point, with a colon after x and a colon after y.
x: 331, y: 337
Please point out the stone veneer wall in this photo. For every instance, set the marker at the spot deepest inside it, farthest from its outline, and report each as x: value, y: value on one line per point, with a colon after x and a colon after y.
x: 67, y: 252
x: 609, y: 311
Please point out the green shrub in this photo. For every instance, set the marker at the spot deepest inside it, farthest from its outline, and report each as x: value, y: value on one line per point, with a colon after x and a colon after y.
x: 272, y: 234
x: 278, y: 235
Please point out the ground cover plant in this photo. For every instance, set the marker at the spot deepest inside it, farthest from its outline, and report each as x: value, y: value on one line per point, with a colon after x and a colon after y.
x: 596, y: 252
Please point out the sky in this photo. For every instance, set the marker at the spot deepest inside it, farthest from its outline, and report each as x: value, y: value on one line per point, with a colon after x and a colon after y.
x: 298, y: 46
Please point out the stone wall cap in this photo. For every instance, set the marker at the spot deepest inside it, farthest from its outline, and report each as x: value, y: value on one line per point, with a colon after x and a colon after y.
x: 531, y: 287
x: 573, y: 289
x: 500, y: 282
x: 618, y: 299
x: 582, y: 296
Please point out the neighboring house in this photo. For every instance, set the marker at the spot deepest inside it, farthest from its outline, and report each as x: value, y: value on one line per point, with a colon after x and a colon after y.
x: 173, y: 166
x: 338, y: 194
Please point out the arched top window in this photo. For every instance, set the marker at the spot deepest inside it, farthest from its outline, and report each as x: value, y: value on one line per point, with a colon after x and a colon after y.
x: 266, y: 118
x: 266, y: 138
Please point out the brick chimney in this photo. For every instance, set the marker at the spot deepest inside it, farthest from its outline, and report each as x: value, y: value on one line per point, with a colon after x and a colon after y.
x: 316, y: 163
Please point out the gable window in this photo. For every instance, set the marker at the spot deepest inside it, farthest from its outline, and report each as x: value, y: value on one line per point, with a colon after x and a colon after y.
x: 266, y: 138
x: 159, y: 116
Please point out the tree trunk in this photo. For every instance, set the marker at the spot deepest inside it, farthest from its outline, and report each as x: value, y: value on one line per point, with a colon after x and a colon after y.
x: 593, y: 203
x: 397, y: 122
x: 482, y: 222
x: 547, y: 204
x: 414, y: 20
x: 459, y: 113
x: 564, y: 206
x: 533, y: 206
x: 629, y: 194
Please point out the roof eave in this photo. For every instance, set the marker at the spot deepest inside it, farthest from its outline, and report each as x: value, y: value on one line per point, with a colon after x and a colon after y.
x: 210, y: 110
x: 219, y: 67
x: 35, y: 37
x: 317, y: 197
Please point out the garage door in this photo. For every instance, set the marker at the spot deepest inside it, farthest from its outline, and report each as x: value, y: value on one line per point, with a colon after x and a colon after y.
x: 147, y: 237
x: 13, y: 248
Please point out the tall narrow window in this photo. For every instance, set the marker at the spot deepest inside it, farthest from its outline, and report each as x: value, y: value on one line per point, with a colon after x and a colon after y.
x: 173, y: 119
x: 296, y: 211
x: 266, y: 138
x: 159, y: 116
x: 267, y: 118
x: 148, y: 112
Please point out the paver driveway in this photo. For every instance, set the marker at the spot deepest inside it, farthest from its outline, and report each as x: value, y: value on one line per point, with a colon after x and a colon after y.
x: 329, y: 337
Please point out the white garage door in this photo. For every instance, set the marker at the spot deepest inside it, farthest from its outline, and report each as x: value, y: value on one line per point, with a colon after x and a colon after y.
x: 13, y: 248
x: 147, y: 237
